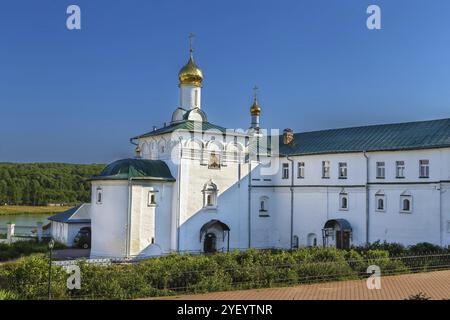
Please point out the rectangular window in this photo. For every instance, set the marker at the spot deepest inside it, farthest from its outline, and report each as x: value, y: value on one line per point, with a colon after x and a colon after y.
x: 342, y: 170
x: 381, y: 171
x: 285, y: 173
x: 400, y: 169
x: 301, y: 170
x: 325, y: 169
x: 424, y: 168
x: 99, y: 195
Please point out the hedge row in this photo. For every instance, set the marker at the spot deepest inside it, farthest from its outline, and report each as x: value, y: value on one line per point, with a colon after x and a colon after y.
x: 24, y: 248
x: 27, y: 277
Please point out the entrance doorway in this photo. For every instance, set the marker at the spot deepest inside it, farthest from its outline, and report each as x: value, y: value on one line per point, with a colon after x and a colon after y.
x: 337, y: 232
x: 342, y: 239
x: 209, y: 245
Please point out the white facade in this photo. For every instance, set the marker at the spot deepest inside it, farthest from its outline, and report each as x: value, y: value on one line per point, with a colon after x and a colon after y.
x: 220, y: 200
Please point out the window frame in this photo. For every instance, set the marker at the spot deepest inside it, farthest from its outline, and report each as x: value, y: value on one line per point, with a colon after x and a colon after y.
x: 285, y: 171
x: 400, y: 166
x: 301, y: 170
x: 379, y: 197
x: 99, y: 195
x: 427, y: 168
x: 342, y: 196
x: 402, y: 199
x: 342, y: 168
x: 210, y: 191
x: 326, y: 169
x: 264, y: 210
x: 151, y: 199
x: 380, y: 165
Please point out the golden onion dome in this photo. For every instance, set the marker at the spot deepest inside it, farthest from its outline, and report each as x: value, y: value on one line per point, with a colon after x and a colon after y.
x: 191, y: 74
x: 255, y: 109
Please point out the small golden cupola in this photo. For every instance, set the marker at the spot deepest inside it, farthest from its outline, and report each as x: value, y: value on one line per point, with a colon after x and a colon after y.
x: 191, y: 74
x: 255, y: 110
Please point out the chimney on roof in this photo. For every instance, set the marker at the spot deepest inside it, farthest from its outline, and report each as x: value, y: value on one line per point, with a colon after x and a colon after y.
x: 288, y: 136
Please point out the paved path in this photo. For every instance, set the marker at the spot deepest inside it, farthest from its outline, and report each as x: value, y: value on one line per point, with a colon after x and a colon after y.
x: 433, y: 284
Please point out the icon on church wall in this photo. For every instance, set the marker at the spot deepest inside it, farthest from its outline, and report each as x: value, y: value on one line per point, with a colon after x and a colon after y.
x: 214, y: 161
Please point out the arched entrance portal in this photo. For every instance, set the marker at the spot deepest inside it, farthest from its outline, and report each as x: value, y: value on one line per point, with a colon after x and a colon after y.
x: 337, y: 232
x: 210, y: 245
x: 213, y: 234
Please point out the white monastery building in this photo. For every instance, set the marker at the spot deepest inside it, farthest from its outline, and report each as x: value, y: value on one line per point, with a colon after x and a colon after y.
x: 195, y: 186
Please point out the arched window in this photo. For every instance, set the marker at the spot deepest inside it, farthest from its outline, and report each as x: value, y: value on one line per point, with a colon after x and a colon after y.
x: 343, y: 201
x: 264, y: 206
x: 406, y: 205
x: 380, y: 201
x: 210, y: 195
x: 311, y: 240
x: 406, y: 202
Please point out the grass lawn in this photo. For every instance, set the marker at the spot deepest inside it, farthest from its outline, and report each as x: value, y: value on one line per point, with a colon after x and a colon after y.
x: 10, y: 210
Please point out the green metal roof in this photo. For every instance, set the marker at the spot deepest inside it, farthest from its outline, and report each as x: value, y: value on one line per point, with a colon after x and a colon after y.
x: 385, y: 137
x: 188, y: 125
x: 137, y: 169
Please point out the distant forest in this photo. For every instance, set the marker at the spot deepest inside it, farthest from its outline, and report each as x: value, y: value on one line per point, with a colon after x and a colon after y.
x: 46, y: 183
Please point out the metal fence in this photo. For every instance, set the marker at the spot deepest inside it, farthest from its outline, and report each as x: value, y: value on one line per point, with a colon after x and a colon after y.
x: 119, y: 278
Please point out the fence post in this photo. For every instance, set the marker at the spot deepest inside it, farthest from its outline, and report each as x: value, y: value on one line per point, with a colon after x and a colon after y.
x: 39, y: 230
x: 10, y: 232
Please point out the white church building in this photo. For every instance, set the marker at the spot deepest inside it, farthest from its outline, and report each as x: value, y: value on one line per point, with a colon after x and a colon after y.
x: 195, y: 186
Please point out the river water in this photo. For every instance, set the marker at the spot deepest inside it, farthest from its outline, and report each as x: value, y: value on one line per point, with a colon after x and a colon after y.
x: 25, y: 223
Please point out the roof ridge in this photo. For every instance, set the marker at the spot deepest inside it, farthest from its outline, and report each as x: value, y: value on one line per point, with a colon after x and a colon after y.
x: 375, y: 125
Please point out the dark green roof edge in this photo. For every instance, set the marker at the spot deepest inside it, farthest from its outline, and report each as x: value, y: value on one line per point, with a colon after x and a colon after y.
x: 187, y: 125
x: 136, y: 169
x: 98, y: 178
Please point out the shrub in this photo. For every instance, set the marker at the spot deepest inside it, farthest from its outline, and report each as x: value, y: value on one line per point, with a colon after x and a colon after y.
x: 28, y: 278
x: 111, y: 282
x: 24, y: 248
x: 394, y: 249
x: 387, y: 265
x: 323, y: 264
x: 425, y: 247
x: 7, y: 295
x: 175, y: 273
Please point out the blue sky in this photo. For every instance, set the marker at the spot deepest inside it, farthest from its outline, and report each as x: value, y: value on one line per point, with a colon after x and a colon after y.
x: 78, y: 96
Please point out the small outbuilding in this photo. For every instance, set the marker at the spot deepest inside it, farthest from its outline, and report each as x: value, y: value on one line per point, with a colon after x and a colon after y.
x: 65, y: 225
